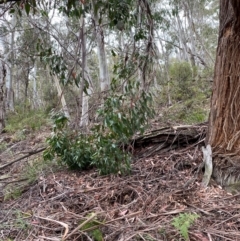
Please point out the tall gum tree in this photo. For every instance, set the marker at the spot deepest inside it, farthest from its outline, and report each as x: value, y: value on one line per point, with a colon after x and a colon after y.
x: 98, y: 28
x: 224, y: 121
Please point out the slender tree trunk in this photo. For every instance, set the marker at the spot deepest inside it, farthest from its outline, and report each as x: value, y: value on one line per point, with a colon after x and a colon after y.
x: 26, y: 87
x: 84, y: 117
x: 182, y: 38
x: 36, y: 103
x: 10, y: 93
x: 166, y: 71
x: 2, y: 95
x: 224, y: 123
x: 103, y: 70
x: 61, y: 96
x: 139, y: 70
x: 192, y: 50
x: 83, y: 95
x: 60, y: 93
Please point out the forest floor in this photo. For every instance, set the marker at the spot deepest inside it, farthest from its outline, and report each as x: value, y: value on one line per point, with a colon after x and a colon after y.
x: 42, y: 201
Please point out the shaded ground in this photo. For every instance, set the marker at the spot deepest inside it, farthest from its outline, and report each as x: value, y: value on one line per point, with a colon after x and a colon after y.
x: 65, y: 205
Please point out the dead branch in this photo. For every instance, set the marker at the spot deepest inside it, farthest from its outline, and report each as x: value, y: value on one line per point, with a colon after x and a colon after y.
x: 23, y: 157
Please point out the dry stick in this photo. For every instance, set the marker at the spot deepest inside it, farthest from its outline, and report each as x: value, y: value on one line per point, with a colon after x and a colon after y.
x: 235, y: 216
x: 23, y: 157
x: 201, y: 210
x: 55, y: 221
x: 142, y: 231
x: 94, y: 215
x: 10, y: 148
x: 113, y: 220
x: 81, y: 225
x: 166, y: 213
x: 52, y: 239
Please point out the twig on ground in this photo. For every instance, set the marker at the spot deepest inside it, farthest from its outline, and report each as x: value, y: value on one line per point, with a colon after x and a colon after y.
x: 58, y: 222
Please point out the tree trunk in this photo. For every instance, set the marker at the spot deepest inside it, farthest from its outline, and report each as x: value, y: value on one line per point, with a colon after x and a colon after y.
x: 62, y: 98
x: 10, y: 92
x: 83, y: 95
x: 224, y: 122
x: 36, y: 101
x: 27, y: 105
x: 60, y: 93
x: 103, y: 70
x: 2, y: 95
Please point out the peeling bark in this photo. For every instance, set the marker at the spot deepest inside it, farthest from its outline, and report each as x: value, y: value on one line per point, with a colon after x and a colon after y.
x: 224, y: 122
x: 224, y: 128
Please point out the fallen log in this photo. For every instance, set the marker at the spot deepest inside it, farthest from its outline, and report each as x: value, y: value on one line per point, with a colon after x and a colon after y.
x: 168, y: 138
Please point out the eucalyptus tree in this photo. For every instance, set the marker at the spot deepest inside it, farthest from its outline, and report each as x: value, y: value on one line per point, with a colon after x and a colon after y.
x: 48, y: 48
x: 10, y: 93
x: 224, y: 122
x: 191, y: 28
x: 8, y: 38
x: 99, y: 34
x: 26, y: 60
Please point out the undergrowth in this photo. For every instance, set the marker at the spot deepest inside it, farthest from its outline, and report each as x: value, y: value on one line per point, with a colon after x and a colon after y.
x: 122, y: 116
x: 28, y: 175
x: 182, y: 223
x: 22, y: 119
x: 184, y: 96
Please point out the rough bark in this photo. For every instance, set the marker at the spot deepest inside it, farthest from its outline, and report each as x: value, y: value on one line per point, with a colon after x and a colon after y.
x: 224, y: 122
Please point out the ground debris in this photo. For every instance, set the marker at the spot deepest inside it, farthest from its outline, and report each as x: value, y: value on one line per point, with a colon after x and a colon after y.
x: 68, y: 205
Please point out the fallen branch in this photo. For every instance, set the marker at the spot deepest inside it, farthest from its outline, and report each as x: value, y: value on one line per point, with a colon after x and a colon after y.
x: 58, y: 222
x: 97, y: 226
x: 23, y: 157
x: 81, y: 225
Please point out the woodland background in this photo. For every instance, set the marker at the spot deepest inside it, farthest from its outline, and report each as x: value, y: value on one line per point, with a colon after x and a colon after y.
x: 62, y: 57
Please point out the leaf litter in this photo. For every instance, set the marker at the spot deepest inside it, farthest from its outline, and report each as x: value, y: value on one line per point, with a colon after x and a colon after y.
x: 165, y: 181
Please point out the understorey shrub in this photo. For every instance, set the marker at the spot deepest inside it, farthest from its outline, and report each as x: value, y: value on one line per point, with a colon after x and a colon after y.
x: 122, y: 116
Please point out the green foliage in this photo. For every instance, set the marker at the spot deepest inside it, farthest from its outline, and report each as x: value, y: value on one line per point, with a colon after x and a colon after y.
x: 22, y: 119
x: 27, y: 8
x: 92, y: 227
x: 28, y: 175
x: 50, y: 97
x: 181, y: 77
x: 187, y: 112
x: 122, y: 116
x: 56, y: 62
x: 182, y: 223
x: 20, y: 221
x: 36, y: 167
x: 12, y: 193
x: 3, y: 146
x: 188, y: 96
x: 73, y: 149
